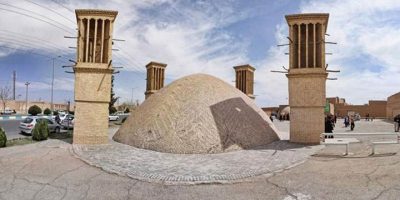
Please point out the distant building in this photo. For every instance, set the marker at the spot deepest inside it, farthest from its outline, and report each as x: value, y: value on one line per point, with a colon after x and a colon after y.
x: 20, y: 106
x: 375, y: 108
x: 271, y: 110
x: 393, y: 106
x: 338, y: 106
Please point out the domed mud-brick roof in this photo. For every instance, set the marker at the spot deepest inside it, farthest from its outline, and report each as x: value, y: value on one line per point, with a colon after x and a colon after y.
x: 285, y: 111
x: 197, y: 114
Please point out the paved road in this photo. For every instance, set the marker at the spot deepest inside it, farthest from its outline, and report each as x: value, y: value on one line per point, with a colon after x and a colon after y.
x: 11, y: 128
x: 43, y: 171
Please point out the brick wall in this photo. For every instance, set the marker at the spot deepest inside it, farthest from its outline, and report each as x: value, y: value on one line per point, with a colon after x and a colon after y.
x: 393, y: 106
x: 375, y: 109
x: 20, y: 106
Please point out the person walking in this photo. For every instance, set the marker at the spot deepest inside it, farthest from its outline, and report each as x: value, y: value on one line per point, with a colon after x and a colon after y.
x: 328, y: 126
x: 346, y: 121
x: 396, y: 123
x: 57, y: 119
x: 352, y: 124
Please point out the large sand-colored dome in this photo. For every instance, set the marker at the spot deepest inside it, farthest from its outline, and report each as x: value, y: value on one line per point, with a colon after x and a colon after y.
x: 197, y: 114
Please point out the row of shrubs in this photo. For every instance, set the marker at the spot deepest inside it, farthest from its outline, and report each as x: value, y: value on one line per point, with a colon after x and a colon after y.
x: 35, y: 110
x: 40, y: 132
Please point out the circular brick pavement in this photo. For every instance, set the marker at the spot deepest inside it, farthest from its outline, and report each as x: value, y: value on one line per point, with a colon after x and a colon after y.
x: 169, y: 168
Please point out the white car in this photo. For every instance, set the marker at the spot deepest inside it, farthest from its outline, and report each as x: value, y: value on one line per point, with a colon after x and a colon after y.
x: 68, y: 122
x: 7, y: 111
x: 29, y: 123
x: 113, y: 117
x: 64, y: 116
x: 61, y: 112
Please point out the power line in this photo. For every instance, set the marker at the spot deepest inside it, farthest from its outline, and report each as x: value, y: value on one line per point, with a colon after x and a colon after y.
x: 130, y: 59
x: 134, y: 62
x: 29, y: 40
x: 13, y: 11
x: 28, y: 51
x: 127, y: 62
x: 126, y: 59
x: 53, y: 11
x: 5, y: 4
x: 14, y: 42
x: 60, y: 4
x: 22, y: 43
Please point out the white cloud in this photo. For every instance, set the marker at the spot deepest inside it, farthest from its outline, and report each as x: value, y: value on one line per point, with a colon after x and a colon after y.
x: 190, y: 37
x: 365, y: 31
x: 61, y: 84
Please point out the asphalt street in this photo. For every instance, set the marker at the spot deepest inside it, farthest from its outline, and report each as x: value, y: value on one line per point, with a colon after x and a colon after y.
x: 11, y: 128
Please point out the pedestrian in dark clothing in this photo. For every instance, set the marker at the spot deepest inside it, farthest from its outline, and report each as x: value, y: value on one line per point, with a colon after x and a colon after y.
x: 57, y: 119
x: 352, y: 124
x: 272, y: 119
x: 346, y: 121
x: 328, y: 126
x: 396, y: 123
x: 332, y: 118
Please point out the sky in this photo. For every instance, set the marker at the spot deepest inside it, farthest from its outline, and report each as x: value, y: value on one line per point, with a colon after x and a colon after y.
x: 202, y: 37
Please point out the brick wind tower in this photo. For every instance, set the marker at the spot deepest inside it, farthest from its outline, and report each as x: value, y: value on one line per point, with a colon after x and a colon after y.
x: 155, y: 78
x: 93, y: 72
x: 307, y: 76
x: 245, y: 79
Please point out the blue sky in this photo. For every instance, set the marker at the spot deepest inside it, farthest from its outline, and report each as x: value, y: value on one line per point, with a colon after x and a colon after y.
x: 204, y: 37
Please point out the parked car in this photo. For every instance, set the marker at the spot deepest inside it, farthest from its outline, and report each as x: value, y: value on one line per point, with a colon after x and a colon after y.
x: 68, y: 122
x: 64, y: 116
x: 61, y: 112
x: 29, y: 123
x: 7, y: 111
x: 113, y: 117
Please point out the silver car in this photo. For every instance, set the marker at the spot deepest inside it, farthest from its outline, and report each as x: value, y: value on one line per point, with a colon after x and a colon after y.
x: 68, y: 122
x: 29, y: 123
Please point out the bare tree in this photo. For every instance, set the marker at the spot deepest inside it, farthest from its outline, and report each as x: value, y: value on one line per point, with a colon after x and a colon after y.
x: 5, y: 94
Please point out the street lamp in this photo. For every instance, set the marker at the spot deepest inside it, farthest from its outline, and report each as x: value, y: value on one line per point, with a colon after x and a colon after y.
x: 26, y: 96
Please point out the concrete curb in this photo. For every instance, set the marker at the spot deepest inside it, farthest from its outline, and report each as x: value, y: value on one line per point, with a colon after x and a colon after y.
x: 19, y: 117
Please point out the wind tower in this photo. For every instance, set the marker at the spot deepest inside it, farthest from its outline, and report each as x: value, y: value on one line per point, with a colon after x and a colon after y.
x: 93, y: 72
x: 245, y: 79
x: 155, y: 78
x: 307, y: 76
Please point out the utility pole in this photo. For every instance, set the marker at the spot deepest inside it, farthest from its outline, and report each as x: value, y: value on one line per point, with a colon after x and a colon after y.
x: 26, y: 96
x: 69, y: 104
x: 52, y: 86
x: 14, y: 79
x: 132, y: 97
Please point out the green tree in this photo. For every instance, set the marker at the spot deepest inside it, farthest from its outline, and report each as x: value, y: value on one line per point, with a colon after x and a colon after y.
x: 127, y: 110
x: 113, y: 98
x: 5, y: 95
x: 34, y: 110
x: 47, y: 111
x: 40, y: 131
x: 3, y: 138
